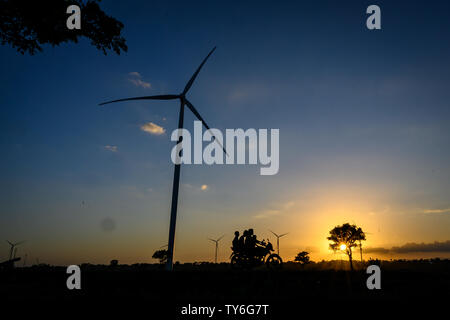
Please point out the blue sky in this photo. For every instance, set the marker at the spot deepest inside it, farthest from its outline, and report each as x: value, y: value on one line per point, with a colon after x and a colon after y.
x: 363, y: 118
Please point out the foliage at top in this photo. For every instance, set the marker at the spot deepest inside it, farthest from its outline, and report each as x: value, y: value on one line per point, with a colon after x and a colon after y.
x: 27, y: 25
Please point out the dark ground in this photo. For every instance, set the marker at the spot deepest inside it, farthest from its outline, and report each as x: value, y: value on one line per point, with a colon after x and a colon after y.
x: 317, y: 288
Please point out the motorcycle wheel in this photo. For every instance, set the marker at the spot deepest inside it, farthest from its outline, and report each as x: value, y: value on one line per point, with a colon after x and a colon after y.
x: 274, y: 261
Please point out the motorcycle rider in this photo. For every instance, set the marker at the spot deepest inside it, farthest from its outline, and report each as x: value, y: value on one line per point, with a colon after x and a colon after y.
x: 251, y: 243
x: 242, y: 239
x: 236, y: 243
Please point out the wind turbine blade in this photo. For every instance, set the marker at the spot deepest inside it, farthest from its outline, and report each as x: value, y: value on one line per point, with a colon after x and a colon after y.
x: 192, y: 79
x: 195, y: 112
x: 212, y: 240
x: 157, y: 97
x: 283, y: 234
x: 274, y: 234
x: 220, y: 238
x: 9, y: 243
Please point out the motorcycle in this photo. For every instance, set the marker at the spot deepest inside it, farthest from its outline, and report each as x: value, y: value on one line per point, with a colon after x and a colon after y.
x: 261, y: 254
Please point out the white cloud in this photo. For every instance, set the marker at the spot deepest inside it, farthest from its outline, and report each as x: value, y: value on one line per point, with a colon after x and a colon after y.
x: 196, y: 188
x: 437, y: 211
x: 136, y: 79
x: 376, y: 212
x: 267, y: 213
x: 140, y: 83
x: 275, y: 209
x: 110, y: 148
x: 289, y: 204
x: 152, y: 128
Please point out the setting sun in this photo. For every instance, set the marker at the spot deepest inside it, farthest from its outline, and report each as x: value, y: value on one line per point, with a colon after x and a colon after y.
x: 343, y: 247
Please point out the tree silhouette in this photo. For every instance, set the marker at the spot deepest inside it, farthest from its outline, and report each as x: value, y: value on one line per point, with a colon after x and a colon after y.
x: 344, y: 238
x: 360, y: 237
x: 114, y: 263
x: 302, y: 257
x: 26, y: 25
x: 161, y: 255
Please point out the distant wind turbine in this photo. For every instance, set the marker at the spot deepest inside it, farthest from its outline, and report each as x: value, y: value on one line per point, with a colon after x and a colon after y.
x: 217, y: 246
x: 278, y: 239
x: 12, y: 252
x: 176, y: 177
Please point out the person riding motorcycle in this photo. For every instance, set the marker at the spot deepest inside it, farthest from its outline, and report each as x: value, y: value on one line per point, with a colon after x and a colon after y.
x: 248, y: 251
x: 236, y: 244
x: 241, y: 245
x: 252, y: 246
x: 247, y: 244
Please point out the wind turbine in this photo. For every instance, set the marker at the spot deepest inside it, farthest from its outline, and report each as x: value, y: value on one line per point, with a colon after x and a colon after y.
x: 217, y: 246
x: 11, y: 250
x: 278, y: 239
x: 176, y: 177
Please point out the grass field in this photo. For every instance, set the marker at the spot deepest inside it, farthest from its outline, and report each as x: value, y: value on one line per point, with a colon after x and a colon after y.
x: 403, y: 282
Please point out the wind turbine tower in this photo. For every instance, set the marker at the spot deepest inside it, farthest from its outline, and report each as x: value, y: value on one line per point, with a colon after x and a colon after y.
x: 217, y: 246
